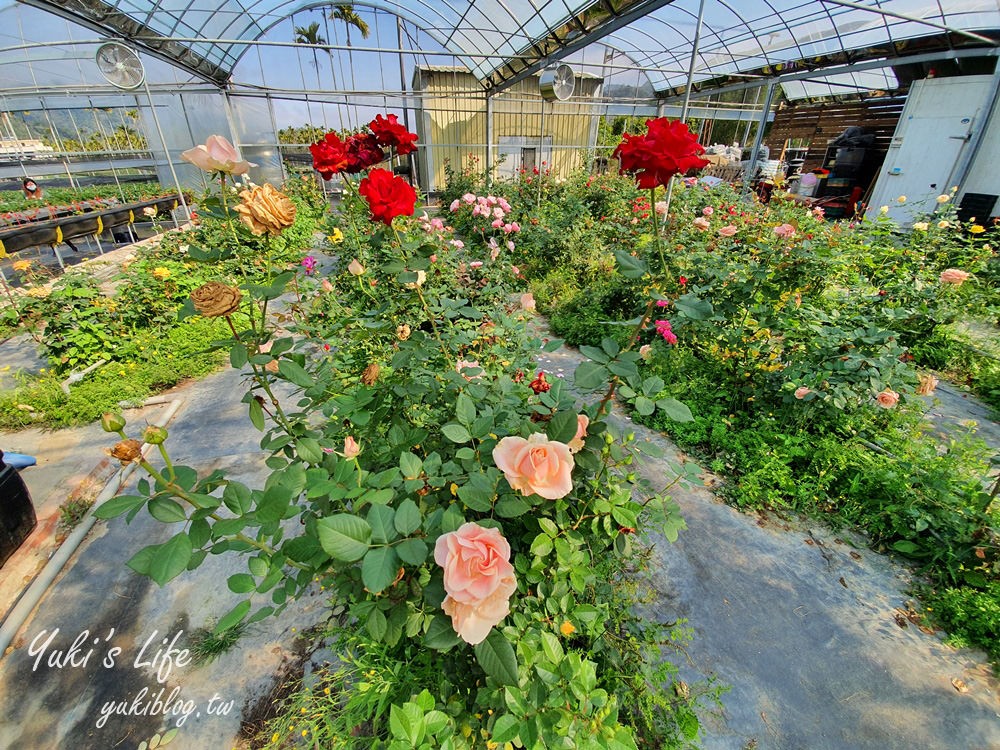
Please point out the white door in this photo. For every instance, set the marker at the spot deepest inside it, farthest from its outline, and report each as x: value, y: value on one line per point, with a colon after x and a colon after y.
x: 933, y: 131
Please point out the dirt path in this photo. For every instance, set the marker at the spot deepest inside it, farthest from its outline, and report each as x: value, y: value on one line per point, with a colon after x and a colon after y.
x: 807, y: 627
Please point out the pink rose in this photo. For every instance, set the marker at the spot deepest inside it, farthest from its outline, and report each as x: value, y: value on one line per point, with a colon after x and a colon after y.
x: 801, y: 392
x: 646, y: 352
x: 887, y: 398
x: 660, y: 207
x: 536, y: 466
x: 701, y: 223
x: 818, y: 212
x: 497, y: 223
x: 576, y: 444
x: 462, y: 364
x: 728, y: 231
x: 476, y: 264
x: 217, y: 155
x: 528, y: 301
x: 953, y: 276
x: 510, y: 245
x: 515, y: 270
x: 784, y: 231
x: 457, y: 244
x: 469, y: 198
x: 326, y: 285
x: 478, y: 579
x: 707, y: 211
x: 454, y: 205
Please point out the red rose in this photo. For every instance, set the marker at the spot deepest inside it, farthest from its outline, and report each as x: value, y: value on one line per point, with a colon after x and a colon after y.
x: 667, y: 148
x: 362, y: 152
x: 329, y: 155
x: 388, y: 196
x: 389, y: 132
x: 539, y: 384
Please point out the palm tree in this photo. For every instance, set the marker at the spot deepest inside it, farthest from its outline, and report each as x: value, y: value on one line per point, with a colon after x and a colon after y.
x: 310, y: 35
x: 345, y: 12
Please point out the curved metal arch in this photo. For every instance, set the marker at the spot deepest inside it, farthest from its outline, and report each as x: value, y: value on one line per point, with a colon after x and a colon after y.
x: 425, y: 25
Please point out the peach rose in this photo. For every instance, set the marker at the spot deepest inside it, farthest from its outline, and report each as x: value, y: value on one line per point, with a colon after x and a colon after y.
x: 351, y: 447
x: 478, y: 579
x: 887, y: 398
x: 576, y: 444
x: 953, y: 276
x: 926, y: 384
x: 527, y: 301
x: 701, y: 223
x: 265, y: 209
x: 355, y: 268
x: 536, y: 466
x: 801, y: 392
x: 217, y: 155
x: 727, y: 231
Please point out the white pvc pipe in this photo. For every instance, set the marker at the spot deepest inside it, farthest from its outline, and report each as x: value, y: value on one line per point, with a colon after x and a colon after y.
x: 40, y: 585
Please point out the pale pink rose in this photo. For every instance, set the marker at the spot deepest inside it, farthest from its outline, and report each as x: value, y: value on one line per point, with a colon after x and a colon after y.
x: 457, y: 244
x: 476, y: 264
x: 646, y: 352
x: 510, y: 245
x: 515, y: 270
x: 785, y: 231
x: 515, y: 227
x: 953, y: 276
x: 707, y: 211
x: 701, y: 223
x: 454, y: 205
x: 355, y: 268
x: 478, y: 579
x: 351, y: 447
x: 527, y: 301
x: 926, y: 384
x: 887, y: 398
x: 469, y: 198
x: 661, y: 208
x: 576, y: 444
x: 498, y: 213
x: 819, y: 212
x: 495, y: 252
x: 326, y: 286
x: 463, y: 363
x: 801, y: 392
x: 437, y: 225
x: 217, y: 155
x: 536, y: 466
x: 728, y: 231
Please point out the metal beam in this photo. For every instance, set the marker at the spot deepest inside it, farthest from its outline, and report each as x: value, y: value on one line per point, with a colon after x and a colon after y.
x: 945, y: 54
x: 914, y: 19
x: 104, y: 19
x: 599, y: 31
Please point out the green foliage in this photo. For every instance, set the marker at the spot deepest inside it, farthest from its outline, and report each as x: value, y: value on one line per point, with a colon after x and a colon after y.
x: 970, y: 615
x: 72, y: 512
x: 128, y: 192
x: 406, y: 370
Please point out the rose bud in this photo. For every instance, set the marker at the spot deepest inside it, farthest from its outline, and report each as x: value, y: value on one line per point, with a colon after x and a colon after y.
x: 154, y: 434
x: 111, y: 422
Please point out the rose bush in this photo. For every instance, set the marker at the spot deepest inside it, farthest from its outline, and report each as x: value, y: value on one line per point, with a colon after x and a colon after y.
x: 421, y: 479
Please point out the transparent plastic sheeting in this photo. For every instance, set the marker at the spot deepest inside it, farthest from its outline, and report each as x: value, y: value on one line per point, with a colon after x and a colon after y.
x: 737, y: 36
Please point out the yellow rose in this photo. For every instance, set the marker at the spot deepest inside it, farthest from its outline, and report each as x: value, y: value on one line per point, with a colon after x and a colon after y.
x: 977, y: 229
x: 265, y: 209
x: 161, y: 273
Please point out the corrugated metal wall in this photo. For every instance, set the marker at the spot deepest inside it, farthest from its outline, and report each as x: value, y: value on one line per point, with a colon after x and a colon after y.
x: 452, y: 126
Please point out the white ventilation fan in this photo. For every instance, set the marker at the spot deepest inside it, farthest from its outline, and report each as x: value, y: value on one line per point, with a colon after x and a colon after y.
x: 120, y: 65
x: 557, y: 82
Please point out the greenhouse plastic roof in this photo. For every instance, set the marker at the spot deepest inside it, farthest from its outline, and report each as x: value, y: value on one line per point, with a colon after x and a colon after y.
x: 502, y: 40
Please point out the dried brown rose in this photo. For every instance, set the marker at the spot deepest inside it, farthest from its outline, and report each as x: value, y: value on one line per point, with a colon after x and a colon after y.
x: 370, y: 375
x: 265, y: 209
x: 127, y: 451
x: 403, y: 332
x: 215, y: 299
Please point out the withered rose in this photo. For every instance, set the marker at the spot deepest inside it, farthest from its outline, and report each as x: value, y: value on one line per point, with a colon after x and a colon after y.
x: 127, y: 451
x: 215, y: 299
x: 370, y: 375
x: 265, y: 209
x: 403, y: 332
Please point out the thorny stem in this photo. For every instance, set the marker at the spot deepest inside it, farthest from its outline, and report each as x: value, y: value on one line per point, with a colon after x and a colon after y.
x: 602, y: 407
x: 656, y: 228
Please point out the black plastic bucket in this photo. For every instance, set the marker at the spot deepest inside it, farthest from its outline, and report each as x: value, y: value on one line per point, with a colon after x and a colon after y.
x: 17, y: 514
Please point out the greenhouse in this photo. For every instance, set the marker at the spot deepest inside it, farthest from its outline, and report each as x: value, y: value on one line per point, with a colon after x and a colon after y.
x: 500, y: 374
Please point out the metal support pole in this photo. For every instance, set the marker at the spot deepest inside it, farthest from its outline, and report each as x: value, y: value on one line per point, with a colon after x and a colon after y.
x: 687, y: 96
x: 489, y: 139
x: 166, y: 153
x: 759, y: 138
